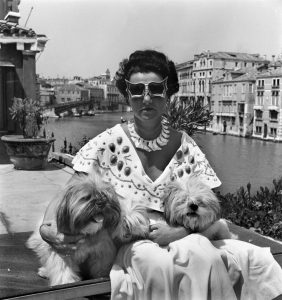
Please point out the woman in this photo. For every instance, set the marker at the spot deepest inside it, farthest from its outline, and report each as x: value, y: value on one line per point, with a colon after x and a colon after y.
x: 139, y: 159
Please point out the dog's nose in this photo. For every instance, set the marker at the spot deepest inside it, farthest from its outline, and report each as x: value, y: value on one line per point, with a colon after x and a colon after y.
x: 193, y: 206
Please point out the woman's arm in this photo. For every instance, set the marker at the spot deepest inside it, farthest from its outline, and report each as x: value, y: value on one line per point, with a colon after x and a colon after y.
x: 64, y: 244
x: 163, y: 234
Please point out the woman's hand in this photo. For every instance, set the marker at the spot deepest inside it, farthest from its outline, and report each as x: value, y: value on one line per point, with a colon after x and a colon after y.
x: 62, y: 243
x: 163, y: 234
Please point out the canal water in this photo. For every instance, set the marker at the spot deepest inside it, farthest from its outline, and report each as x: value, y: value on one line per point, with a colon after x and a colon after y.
x: 236, y: 160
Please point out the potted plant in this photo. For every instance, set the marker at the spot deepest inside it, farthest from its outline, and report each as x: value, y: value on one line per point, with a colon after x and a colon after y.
x: 28, y: 151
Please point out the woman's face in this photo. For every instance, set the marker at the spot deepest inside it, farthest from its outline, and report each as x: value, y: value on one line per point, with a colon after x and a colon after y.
x: 147, y: 107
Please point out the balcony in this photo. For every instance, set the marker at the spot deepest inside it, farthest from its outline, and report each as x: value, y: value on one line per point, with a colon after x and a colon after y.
x: 226, y: 113
x: 260, y: 87
x: 273, y: 107
x: 275, y: 87
x: 258, y: 107
x: 226, y: 98
x: 273, y: 120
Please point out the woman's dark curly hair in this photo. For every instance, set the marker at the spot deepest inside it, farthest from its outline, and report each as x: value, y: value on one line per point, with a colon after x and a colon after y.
x: 147, y: 61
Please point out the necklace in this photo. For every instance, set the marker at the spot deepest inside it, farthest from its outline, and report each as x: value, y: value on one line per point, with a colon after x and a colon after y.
x: 149, y: 145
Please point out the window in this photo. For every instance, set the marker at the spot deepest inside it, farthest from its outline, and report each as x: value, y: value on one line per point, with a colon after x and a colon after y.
x: 236, y: 64
x: 275, y: 98
x: 273, y: 115
x: 258, y: 114
x: 273, y: 131
x: 233, y: 121
x: 275, y: 83
x: 251, y: 88
x: 243, y: 88
x: 258, y: 130
x: 210, y: 62
x: 259, y: 100
x: 260, y: 83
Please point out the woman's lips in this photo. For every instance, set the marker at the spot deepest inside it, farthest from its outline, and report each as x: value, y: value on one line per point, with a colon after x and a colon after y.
x: 147, y: 109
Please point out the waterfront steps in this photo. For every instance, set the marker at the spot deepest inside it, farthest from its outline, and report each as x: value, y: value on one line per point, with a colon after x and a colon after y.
x: 24, y: 198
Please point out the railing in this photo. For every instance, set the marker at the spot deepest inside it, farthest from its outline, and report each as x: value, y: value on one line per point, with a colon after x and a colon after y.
x: 260, y: 87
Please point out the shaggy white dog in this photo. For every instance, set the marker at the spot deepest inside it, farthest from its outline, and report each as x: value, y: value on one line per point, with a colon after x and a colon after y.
x: 196, y: 207
x: 88, y: 207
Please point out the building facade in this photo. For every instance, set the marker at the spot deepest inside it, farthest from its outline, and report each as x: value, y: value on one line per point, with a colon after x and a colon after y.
x: 70, y: 93
x: 18, y: 49
x: 209, y: 66
x: 186, y: 83
x: 196, y: 76
x: 268, y: 105
x: 232, y: 103
x: 96, y: 96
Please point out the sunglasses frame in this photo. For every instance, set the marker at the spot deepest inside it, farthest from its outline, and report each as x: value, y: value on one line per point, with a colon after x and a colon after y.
x: 146, y: 89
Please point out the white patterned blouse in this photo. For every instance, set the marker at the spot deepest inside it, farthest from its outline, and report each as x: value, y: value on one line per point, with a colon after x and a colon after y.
x: 113, y: 155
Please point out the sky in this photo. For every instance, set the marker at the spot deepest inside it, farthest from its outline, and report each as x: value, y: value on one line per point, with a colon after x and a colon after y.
x: 88, y: 36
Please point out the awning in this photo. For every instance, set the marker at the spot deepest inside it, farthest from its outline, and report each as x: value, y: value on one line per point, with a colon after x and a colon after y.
x: 6, y: 64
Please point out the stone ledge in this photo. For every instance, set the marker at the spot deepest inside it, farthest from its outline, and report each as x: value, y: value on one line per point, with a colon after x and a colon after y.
x: 63, y: 158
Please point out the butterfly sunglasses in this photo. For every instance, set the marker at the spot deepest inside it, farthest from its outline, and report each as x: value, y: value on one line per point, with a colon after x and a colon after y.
x: 140, y: 89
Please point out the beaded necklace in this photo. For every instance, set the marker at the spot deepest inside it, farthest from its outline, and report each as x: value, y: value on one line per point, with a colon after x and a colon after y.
x: 149, y: 145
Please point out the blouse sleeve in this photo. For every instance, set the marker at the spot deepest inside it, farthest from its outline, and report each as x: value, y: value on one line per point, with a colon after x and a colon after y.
x: 89, y: 156
x: 197, y: 163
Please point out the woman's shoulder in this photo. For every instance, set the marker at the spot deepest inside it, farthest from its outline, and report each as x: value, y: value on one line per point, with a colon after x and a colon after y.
x: 100, y: 141
x: 183, y: 136
x: 104, y: 137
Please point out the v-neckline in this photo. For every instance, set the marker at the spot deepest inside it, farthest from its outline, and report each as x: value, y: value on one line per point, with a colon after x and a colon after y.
x: 142, y: 170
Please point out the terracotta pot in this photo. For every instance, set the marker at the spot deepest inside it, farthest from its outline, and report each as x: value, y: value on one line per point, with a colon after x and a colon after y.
x: 27, y: 153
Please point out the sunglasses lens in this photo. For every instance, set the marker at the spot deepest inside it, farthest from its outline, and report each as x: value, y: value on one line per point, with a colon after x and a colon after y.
x: 156, y: 88
x: 136, y: 89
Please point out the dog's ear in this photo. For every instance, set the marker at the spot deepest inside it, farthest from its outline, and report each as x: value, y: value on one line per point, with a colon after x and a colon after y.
x: 171, y: 192
x: 112, y: 209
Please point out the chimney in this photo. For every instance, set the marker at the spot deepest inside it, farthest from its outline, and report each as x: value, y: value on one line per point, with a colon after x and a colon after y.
x: 12, y: 17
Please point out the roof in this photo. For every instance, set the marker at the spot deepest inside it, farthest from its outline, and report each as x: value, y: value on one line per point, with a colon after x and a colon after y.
x: 12, y: 33
x: 232, y: 56
x: 187, y: 64
x: 250, y: 75
x: 69, y: 87
x: 15, y: 30
x: 271, y: 73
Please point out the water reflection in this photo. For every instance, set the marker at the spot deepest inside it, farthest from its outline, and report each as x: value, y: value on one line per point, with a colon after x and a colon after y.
x: 238, y: 161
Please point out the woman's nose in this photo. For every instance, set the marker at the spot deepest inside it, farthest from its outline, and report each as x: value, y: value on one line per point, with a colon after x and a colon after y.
x: 147, y: 98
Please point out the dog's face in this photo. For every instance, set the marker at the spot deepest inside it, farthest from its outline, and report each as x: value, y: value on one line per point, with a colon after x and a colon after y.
x: 193, y: 206
x: 87, y: 205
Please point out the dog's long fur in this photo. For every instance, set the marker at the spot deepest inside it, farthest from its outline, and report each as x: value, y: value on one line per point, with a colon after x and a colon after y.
x: 90, y: 207
x: 196, y: 207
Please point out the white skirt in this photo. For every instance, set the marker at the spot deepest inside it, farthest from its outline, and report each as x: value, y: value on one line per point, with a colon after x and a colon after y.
x: 195, y: 268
